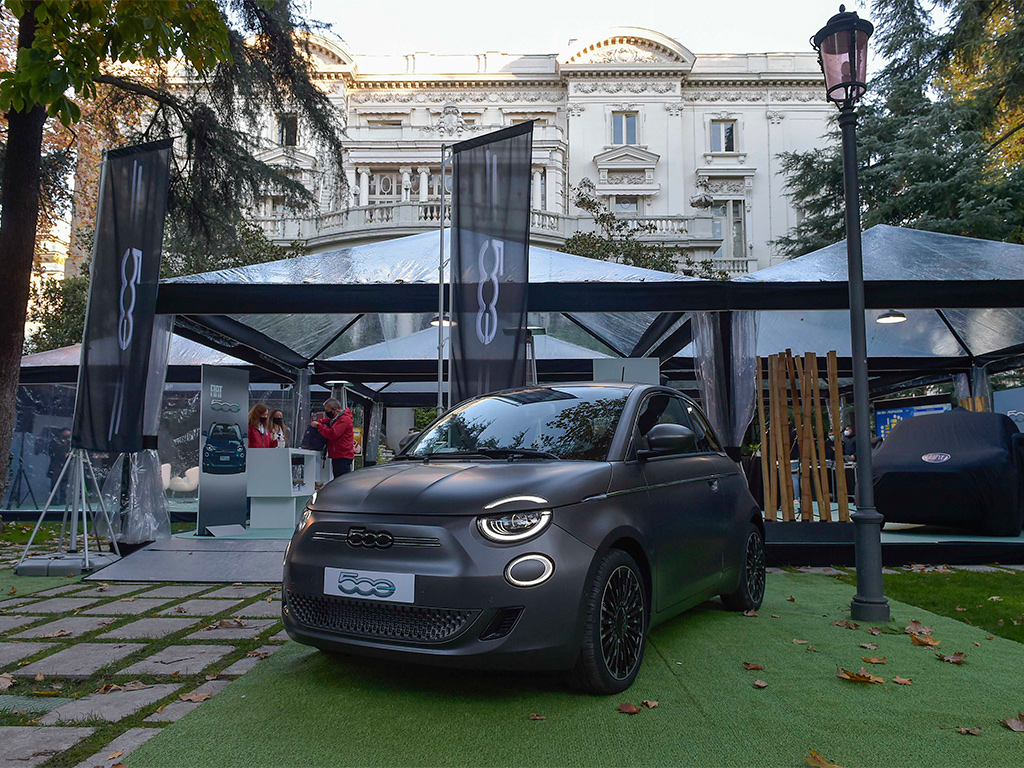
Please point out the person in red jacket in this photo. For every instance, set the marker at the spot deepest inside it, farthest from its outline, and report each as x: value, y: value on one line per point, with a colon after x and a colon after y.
x: 259, y: 433
x: 336, y: 427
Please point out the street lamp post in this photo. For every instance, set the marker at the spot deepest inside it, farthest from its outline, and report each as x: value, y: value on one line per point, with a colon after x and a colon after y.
x: 842, y: 47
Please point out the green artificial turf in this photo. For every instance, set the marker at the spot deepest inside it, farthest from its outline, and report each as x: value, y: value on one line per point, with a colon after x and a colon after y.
x: 944, y: 593
x: 301, y: 707
x: 26, y: 585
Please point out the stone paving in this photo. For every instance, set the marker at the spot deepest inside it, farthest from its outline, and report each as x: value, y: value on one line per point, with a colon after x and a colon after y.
x: 121, y: 654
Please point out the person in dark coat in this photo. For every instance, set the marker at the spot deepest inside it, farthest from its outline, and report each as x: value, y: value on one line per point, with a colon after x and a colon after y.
x: 849, y: 442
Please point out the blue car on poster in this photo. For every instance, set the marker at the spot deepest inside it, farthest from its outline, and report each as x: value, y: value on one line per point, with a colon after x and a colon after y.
x: 224, y: 452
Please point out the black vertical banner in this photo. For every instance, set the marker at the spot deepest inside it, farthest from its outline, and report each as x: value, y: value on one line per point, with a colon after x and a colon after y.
x: 490, y: 261
x: 123, y: 281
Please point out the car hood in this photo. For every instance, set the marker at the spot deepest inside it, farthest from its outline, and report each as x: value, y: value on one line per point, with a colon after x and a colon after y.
x: 460, y: 488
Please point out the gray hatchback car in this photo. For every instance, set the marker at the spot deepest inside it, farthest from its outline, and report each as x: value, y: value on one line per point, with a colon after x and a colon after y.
x: 544, y: 528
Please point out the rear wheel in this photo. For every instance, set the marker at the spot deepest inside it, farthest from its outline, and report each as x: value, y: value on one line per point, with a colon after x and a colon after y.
x: 750, y: 593
x: 615, y: 626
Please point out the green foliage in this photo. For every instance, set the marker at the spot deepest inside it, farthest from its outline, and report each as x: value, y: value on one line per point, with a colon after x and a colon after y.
x: 186, y: 253
x: 620, y: 240
x: 923, y: 151
x: 423, y: 417
x: 57, y: 308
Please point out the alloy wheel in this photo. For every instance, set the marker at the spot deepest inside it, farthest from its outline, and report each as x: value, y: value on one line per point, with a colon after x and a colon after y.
x: 622, y: 622
x: 755, y: 567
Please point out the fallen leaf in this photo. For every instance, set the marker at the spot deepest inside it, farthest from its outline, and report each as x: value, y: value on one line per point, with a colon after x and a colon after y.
x: 846, y: 624
x: 817, y: 760
x: 39, y: 677
x: 760, y: 684
x: 776, y: 616
x: 990, y: 638
x: 136, y: 685
x: 270, y: 599
x: 790, y: 599
x: 915, y: 627
x: 102, y: 587
x: 115, y: 755
x: 902, y: 681
x: 1015, y: 724
x: 211, y: 677
x: 858, y: 677
x: 873, y: 660
x: 812, y: 648
x: 749, y: 665
x: 174, y: 674
x: 535, y: 716
x: 961, y: 609
x: 109, y: 688
x: 1000, y: 622
x: 801, y: 642
x: 995, y: 599
x: 257, y: 654
x: 57, y: 633
x: 628, y: 709
x: 874, y: 631
x: 127, y: 599
x: 180, y: 609
x: 12, y: 591
x: 122, y: 765
x: 751, y: 613
x: 229, y: 624
x: 869, y: 646
x: 968, y: 731
x: 195, y: 696
x: 927, y: 640
x: 649, y: 703
x: 977, y: 643
x: 45, y: 693
x: 953, y: 658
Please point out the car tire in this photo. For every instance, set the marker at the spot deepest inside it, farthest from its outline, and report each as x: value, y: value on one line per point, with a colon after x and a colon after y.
x: 750, y: 593
x: 617, y: 602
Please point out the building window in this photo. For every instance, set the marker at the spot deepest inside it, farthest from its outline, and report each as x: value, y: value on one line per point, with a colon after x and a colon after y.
x: 723, y: 135
x: 288, y: 129
x: 728, y: 224
x: 624, y: 128
x: 385, y: 187
x: 384, y: 123
x: 627, y: 205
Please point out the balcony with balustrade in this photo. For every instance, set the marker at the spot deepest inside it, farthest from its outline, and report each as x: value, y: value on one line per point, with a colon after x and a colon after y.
x: 371, y: 223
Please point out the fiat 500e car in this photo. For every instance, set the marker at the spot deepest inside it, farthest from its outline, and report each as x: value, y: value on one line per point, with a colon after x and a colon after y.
x: 224, y: 451
x: 545, y: 528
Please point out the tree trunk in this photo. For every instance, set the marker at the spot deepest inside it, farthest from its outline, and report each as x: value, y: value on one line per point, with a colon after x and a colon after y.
x: 19, y: 198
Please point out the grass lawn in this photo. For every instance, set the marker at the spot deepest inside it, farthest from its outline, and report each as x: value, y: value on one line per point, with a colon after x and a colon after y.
x: 301, y: 707
x: 944, y: 593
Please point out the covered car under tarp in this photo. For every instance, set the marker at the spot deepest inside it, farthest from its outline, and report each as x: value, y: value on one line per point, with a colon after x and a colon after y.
x: 959, y: 469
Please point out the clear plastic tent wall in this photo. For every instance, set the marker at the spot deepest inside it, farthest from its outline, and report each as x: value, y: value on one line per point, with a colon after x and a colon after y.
x: 729, y: 417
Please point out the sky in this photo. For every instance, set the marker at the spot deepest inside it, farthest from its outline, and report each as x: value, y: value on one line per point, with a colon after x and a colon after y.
x: 546, y: 26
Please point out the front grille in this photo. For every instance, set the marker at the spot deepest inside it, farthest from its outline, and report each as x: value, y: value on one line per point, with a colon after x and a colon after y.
x: 388, y: 621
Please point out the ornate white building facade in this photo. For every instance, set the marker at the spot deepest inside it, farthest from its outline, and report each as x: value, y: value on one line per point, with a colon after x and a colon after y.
x: 687, y: 143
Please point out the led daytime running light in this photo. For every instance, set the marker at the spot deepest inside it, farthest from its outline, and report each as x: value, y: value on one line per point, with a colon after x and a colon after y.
x: 513, y: 526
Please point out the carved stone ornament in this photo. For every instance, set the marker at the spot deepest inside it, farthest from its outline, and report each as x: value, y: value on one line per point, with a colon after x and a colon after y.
x: 575, y: 110
x: 702, y: 200
x: 775, y: 118
x: 454, y: 97
x: 625, y: 87
x: 622, y: 54
x: 723, y: 95
x: 725, y: 186
x: 450, y: 123
x: 627, y: 177
x: 675, y: 108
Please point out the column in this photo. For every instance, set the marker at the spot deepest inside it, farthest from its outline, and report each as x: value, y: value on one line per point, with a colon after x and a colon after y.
x: 364, y: 186
x: 406, y: 183
x: 553, y: 182
x: 350, y: 180
x: 424, y: 181
x: 536, y: 203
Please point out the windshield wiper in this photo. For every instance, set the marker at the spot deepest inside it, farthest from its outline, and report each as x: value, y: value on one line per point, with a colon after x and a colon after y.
x: 501, y: 453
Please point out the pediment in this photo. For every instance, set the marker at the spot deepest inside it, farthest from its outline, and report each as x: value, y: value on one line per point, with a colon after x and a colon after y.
x: 626, y: 157
x: 627, y: 47
x: 289, y: 156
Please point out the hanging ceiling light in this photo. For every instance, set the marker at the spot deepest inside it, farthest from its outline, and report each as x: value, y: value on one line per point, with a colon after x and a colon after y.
x: 891, y: 316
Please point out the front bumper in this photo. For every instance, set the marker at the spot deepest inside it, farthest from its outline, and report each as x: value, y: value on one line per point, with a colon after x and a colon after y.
x: 460, y: 594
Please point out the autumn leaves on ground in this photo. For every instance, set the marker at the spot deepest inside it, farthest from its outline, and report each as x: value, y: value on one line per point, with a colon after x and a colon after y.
x: 798, y: 681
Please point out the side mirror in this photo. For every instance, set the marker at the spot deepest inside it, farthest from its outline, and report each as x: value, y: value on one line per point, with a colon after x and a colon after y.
x: 668, y: 438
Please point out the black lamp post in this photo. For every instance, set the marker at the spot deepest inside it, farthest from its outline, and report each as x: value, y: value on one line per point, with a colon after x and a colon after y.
x: 842, y: 47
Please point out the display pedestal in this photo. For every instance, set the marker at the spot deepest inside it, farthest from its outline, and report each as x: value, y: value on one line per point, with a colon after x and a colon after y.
x: 279, y: 482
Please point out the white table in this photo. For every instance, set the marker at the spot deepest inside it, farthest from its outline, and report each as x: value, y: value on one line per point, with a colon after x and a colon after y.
x: 279, y: 482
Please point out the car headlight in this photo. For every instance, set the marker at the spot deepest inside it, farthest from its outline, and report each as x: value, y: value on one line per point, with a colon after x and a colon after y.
x: 513, y: 526
x: 240, y: 449
x: 307, y: 515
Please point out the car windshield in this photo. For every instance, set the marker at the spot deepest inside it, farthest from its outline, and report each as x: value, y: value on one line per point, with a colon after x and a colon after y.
x: 565, y: 422
x: 225, y: 432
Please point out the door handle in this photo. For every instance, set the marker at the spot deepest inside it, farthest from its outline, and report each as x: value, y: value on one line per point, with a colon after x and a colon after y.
x: 713, y: 484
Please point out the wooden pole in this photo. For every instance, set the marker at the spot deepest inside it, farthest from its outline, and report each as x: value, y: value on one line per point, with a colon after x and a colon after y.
x: 804, y: 371
x: 833, y: 391
x: 824, y: 501
x: 780, y: 428
x: 765, y: 479
x: 773, y: 415
x: 806, y: 497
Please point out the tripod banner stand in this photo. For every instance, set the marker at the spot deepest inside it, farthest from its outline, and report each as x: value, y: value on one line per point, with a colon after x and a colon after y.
x: 113, y: 372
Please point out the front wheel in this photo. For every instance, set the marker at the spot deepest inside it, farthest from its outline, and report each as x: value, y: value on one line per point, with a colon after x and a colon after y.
x: 750, y: 593
x: 615, y: 626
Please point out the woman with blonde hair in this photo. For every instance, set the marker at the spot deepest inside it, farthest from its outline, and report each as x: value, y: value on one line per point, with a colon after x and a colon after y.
x: 259, y: 428
x: 278, y: 430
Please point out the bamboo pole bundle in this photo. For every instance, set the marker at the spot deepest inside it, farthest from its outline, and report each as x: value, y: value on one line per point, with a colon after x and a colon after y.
x: 780, y: 427
x: 833, y: 390
x: 768, y: 496
x: 804, y: 467
x: 810, y: 451
x: 824, y: 500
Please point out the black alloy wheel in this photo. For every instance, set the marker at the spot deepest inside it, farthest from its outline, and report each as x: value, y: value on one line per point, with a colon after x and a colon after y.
x: 616, y: 616
x: 750, y: 594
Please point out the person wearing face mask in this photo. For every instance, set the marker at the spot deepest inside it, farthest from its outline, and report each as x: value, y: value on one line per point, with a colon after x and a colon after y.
x: 278, y: 430
x: 336, y: 427
x: 259, y: 427
x: 849, y: 441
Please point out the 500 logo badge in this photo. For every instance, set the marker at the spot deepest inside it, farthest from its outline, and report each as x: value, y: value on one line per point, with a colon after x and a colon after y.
x: 223, y: 405
x: 354, y: 584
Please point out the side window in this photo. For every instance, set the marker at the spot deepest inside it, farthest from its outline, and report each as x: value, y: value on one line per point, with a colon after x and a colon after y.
x: 706, y: 440
x: 663, y: 409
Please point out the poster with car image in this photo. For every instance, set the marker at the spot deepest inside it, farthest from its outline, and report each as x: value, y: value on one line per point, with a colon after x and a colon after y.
x: 223, y: 445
